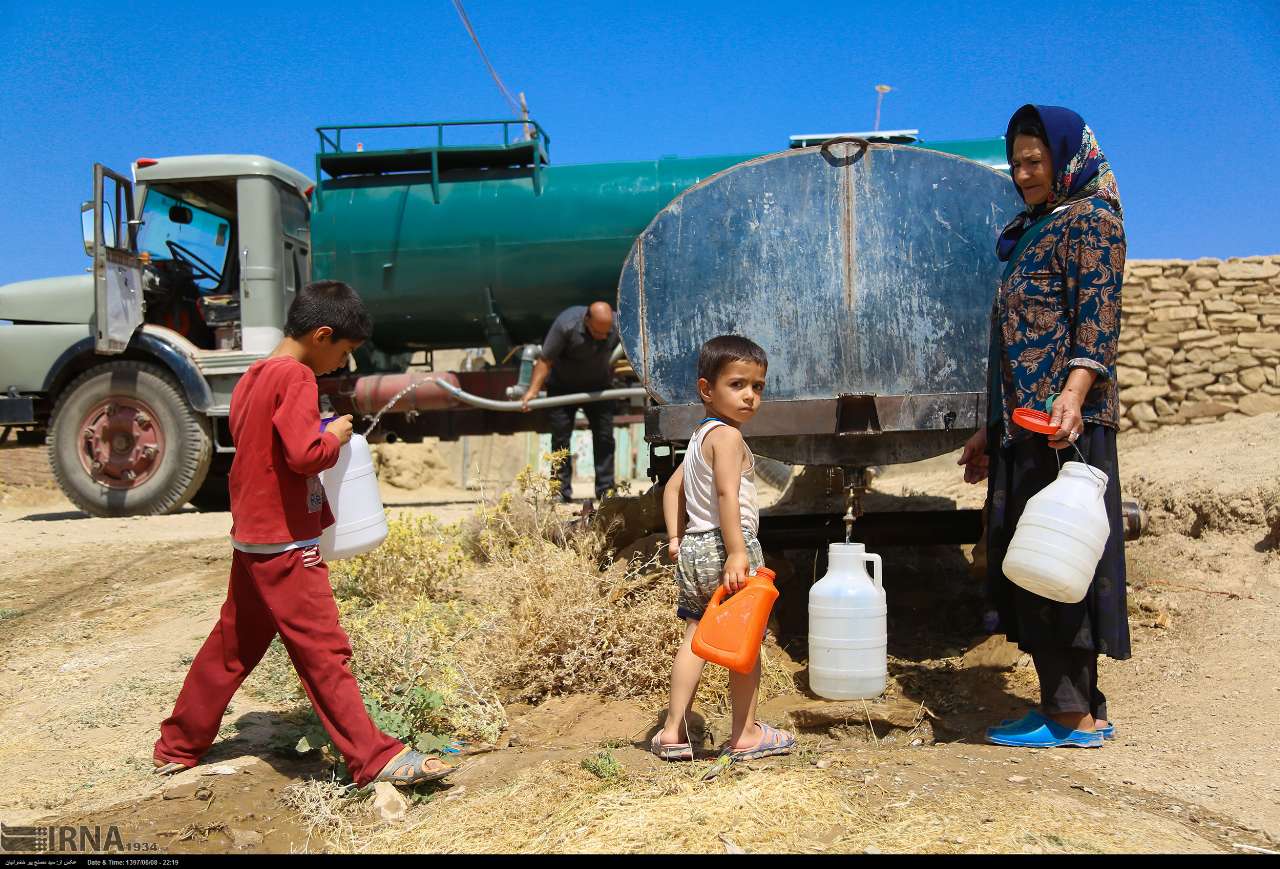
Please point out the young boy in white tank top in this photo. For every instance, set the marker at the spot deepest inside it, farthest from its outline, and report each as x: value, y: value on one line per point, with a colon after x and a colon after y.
x: 709, y: 505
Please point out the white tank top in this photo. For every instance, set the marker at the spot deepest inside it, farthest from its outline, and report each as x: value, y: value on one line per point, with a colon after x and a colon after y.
x: 700, y: 498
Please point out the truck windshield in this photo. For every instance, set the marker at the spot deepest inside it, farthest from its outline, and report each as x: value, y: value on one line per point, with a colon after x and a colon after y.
x: 175, y: 229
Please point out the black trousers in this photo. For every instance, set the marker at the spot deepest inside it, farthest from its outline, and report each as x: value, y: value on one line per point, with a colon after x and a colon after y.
x: 600, y: 416
x: 1069, y: 681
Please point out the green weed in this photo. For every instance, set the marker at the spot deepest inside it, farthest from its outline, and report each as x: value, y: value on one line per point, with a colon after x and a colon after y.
x: 604, y: 766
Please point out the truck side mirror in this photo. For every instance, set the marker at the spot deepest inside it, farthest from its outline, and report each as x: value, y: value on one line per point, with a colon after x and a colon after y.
x: 86, y: 226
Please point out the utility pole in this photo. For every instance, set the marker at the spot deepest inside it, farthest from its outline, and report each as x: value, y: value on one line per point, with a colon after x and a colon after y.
x: 881, y: 90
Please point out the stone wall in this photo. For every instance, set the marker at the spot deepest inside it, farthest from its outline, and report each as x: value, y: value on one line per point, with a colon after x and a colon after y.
x: 1199, y: 341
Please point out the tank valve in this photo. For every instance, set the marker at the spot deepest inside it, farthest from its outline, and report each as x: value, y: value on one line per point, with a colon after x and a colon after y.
x: 856, y: 483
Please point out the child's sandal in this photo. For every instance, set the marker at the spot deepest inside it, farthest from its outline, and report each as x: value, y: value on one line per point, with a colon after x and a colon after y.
x: 674, y: 751
x: 772, y: 742
x: 412, y: 767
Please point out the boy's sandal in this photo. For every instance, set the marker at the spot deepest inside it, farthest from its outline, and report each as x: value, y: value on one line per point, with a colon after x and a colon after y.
x: 674, y: 751
x: 412, y: 767
x: 773, y: 742
x: 169, y: 768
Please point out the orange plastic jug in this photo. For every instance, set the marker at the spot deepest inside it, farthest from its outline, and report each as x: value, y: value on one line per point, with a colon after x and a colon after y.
x: 730, y: 631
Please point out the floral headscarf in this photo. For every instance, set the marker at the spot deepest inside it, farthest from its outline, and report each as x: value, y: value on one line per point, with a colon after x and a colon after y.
x: 1080, y: 170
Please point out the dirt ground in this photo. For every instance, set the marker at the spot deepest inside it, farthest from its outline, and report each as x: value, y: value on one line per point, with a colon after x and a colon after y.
x: 99, y: 619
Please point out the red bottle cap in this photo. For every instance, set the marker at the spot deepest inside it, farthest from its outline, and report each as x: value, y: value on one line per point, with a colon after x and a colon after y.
x: 1034, y: 420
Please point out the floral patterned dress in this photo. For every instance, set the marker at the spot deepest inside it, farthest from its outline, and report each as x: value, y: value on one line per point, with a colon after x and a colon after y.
x: 1058, y: 308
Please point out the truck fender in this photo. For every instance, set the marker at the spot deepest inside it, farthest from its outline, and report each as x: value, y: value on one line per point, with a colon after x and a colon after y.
x: 144, y: 345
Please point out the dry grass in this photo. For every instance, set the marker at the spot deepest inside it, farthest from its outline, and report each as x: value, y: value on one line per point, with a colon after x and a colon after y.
x: 327, y: 811
x: 560, y: 807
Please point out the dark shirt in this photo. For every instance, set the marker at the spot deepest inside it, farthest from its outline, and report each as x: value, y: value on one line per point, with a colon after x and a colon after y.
x: 1058, y: 308
x: 579, y: 363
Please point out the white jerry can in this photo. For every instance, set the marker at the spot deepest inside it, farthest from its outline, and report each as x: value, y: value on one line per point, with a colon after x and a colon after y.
x: 1060, y: 537
x: 351, y: 486
x: 848, y: 627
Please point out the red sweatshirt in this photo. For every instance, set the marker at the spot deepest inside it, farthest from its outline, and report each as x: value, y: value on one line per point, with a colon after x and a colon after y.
x: 276, y: 496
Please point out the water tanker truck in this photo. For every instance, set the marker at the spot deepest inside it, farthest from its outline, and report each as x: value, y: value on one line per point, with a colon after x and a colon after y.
x: 126, y: 372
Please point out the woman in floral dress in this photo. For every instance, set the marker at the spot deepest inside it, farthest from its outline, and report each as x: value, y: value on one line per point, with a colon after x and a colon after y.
x: 1054, y: 329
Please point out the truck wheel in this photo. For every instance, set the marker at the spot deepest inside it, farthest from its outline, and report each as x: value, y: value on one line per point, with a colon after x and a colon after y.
x: 124, y: 441
x: 773, y: 472
x: 214, y: 495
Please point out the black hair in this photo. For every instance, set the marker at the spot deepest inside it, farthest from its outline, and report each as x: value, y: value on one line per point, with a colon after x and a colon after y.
x: 718, y: 352
x: 329, y: 303
x: 1026, y: 122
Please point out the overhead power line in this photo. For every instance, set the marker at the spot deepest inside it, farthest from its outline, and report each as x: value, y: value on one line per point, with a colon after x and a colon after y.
x: 516, y: 105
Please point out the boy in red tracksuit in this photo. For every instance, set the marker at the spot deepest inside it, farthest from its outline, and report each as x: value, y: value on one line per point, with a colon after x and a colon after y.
x: 278, y: 582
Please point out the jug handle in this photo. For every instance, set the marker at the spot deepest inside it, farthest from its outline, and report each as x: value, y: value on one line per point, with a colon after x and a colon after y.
x: 877, y: 575
x: 716, y: 598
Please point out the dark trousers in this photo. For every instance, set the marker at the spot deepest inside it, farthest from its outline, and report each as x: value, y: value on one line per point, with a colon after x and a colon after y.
x: 600, y: 416
x: 270, y: 594
x: 1069, y: 681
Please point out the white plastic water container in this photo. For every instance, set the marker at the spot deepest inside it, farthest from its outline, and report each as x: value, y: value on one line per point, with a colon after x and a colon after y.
x: 848, y: 627
x: 351, y: 487
x: 1059, y: 539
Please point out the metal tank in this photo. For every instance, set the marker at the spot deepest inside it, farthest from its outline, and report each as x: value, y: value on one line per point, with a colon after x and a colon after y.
x: 489, y: 248
x: 866, y: 271
x: 470, y: 245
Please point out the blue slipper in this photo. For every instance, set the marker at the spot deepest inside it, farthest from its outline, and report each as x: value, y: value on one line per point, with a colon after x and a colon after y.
x: 1036, y: 731
x: 1108, y: 732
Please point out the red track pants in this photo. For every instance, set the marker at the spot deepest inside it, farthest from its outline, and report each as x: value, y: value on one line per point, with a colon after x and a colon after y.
x: 269, y: 594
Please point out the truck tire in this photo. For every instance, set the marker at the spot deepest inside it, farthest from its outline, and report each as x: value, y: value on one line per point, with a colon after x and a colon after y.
x: 125, y: 442
x: 776, y: 474
x: 214, y: 494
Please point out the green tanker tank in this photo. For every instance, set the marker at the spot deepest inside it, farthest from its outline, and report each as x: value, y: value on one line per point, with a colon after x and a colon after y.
x: 457, y: 246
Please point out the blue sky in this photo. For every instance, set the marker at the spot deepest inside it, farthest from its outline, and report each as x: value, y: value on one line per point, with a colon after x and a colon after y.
x: 1185, y: 98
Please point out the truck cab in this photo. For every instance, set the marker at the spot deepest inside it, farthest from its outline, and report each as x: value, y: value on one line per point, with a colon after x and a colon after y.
x: 128, y: 370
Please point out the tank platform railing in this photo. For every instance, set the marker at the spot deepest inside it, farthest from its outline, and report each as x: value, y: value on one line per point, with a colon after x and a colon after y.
x: 530, y: 150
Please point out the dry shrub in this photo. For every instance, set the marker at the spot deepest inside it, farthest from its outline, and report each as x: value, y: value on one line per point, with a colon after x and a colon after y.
x: 516, y: 517
x: 572, y: 628
x: 568, y: 625
x: 419, y: 557
x: 440, y: 646
x: 572, y: 625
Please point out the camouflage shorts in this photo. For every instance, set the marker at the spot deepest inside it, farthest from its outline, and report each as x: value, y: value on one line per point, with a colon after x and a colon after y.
x: 701, y: 569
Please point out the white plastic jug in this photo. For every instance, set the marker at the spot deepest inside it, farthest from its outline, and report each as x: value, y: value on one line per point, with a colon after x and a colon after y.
x: 848, y: 629
x: 1060, y: 537
x: 352, y: 489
